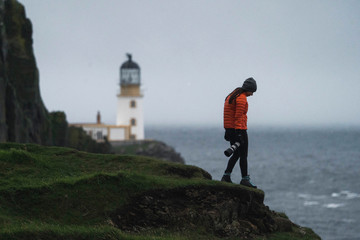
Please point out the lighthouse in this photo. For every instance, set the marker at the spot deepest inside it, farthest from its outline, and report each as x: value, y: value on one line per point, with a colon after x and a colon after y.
x: 130, y: 99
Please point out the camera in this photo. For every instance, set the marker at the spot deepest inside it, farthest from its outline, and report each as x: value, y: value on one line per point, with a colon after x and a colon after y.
x: 231, y: 149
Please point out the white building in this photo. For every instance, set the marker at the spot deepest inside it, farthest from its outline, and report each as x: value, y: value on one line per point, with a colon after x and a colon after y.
x: 129, y: 117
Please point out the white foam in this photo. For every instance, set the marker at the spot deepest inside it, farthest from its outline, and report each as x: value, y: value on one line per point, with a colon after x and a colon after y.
x: 310, y: 203
x: 335, y: 194
x: 350, y: 195
x: 304, y: 195
x: 345, y: 194
x: 309, y: 196
x: 333, y: 205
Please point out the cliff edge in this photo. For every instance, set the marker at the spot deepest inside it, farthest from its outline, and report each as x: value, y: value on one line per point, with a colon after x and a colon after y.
x: 62, y: 193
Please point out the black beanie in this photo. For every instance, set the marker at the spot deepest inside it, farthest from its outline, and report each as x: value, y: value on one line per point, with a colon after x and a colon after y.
x: 249, y: 85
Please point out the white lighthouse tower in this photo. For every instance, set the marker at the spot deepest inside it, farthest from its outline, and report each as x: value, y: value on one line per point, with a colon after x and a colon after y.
x: 130, y: 99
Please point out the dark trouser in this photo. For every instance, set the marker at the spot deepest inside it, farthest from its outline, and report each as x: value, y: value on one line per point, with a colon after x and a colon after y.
x: 241, y: 152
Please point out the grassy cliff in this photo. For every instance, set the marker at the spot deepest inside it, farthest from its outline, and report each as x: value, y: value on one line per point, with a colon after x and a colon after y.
x: 62, y: 193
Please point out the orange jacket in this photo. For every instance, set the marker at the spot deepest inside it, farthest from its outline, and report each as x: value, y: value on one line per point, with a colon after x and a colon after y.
x: 229, y: 113
x: 241, y: 112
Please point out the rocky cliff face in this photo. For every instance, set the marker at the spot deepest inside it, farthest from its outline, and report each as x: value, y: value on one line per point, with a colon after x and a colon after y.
x: 224, y: 211
x: 23, y: 116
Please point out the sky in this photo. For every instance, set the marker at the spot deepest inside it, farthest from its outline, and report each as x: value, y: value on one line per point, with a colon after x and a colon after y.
x: 304, y: 55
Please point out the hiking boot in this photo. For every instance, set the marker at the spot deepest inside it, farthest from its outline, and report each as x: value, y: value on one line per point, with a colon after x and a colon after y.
x: 226, y: 178
x: 246, y: 182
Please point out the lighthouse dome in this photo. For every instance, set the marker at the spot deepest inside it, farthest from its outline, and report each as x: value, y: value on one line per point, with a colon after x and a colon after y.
x: 129, y: 64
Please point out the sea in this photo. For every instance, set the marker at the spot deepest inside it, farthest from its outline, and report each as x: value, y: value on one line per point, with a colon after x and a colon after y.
x: 310, y: 174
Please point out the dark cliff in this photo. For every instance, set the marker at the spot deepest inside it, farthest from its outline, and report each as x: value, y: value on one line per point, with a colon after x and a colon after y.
x: 23, y: 116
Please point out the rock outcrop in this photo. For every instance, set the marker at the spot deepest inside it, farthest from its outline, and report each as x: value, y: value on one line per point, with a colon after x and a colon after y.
x: 23, y: 116
x: 225, y: 211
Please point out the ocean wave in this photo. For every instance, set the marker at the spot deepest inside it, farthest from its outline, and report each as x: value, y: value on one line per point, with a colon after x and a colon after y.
x: 310, y: 203
x: 333, y: 205
x: 310, y: 196
x: 346, y: 194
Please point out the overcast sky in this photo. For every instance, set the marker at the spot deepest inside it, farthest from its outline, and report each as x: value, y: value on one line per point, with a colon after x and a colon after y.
x: 304, y: 55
